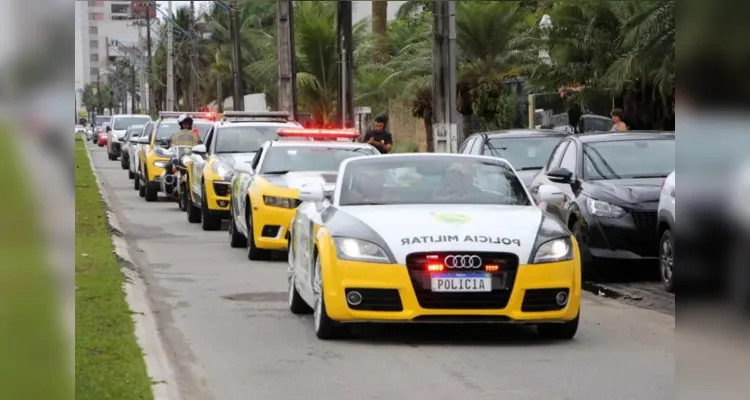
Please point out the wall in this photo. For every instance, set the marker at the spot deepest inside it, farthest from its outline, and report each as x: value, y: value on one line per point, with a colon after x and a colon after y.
x: 404, y: 127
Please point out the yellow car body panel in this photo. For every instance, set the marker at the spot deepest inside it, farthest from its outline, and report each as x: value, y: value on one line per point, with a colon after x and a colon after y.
x: 151, y: 162
x: 264, y: 214
x: 209, y: 177
x: 338, y: 275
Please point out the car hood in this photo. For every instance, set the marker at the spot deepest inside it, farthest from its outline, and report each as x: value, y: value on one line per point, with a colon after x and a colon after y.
x: 238, y: 161
x: 296, y: 180
x: 474, y: 228
x: 119, y: 134
x: 627, y: 190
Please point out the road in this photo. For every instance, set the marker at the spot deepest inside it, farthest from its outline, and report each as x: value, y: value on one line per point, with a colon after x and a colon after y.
x: 226, y: 326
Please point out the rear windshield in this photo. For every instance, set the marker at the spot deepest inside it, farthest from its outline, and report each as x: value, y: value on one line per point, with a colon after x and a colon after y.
x: 98, y: 121
x: 123, y: 123
x: 166, y: 129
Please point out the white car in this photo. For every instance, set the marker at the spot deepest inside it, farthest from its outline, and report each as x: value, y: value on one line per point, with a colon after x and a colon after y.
x: 134, y: 167
x: 426, y: 238
x: 666, y: 228
x: 120, y: 124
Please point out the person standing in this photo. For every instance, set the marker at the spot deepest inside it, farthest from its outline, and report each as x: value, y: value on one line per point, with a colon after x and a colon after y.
x: 617, y: 117
x: 379, y: 137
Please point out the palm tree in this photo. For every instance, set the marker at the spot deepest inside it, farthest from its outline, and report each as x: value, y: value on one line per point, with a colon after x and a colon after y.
x: 90, y: 98
x: 413, y: 7
x: 380, y: 29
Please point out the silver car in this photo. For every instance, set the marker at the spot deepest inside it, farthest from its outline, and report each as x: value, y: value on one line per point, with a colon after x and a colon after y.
x: 133, y: 131
x: 134, y: 167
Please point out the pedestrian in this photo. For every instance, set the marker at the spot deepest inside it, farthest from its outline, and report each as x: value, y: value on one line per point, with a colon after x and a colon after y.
x: 379, y: 137
x: 617, y: 117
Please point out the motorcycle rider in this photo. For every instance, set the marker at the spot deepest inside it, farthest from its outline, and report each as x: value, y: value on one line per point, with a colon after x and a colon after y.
x: 185, y: 137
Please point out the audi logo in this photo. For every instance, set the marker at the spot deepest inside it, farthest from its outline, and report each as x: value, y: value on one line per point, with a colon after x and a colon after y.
x: 463, y: 262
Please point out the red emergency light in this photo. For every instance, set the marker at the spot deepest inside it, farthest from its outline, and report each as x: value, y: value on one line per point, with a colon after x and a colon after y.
x: 205, y: 115
x: 318, y: 134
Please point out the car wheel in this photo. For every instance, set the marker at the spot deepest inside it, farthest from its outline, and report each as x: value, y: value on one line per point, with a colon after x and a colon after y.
x: 136, y: 181
x: 141, y: 186
x: 587, y: 264
x: 560, y: 331
x: 152, y: 191
x: 325, y: 327
x: 124, y: 163
x: 181, y: 198
x: 193, y: 212
x: 296, y: 304
x: 111, y: 157
x: 236, y: 240
x: 131, y: 175
x: 253, y: 252
x: 666, y: 260
x: 209, y: 221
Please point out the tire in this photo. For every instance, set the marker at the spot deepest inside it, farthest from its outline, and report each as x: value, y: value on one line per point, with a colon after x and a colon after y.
x: 253, y: 252
x: 111, y: 156
x: 563, y: 331
x: 100, y: 145
x: 325, y: 327
x: 123, y: 163
x: 209, y: 221
x: 588, y: 266
x: 296, y: 304
x: 666, y: 260
x: 152, y: 192
x: 182, y: 200
x: 131, y: 175
x: 193, y: 212
x: 236, y: 240
x: 136, y: 182
x: 141, y: 186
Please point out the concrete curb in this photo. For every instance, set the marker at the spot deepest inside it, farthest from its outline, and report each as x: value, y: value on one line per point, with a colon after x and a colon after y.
x: 147, y: 334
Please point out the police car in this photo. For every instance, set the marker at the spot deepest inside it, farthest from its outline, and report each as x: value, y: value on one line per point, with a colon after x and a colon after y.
x: 265, y: 192
x: 432, y: 238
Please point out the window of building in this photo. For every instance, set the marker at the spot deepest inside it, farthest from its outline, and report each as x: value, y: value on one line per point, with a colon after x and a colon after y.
x: 96, y: 16
x: 120, y: 8
x: 94, y: 44
x: 93, y: 30
x: 120, y: 18
x: 94, y: 71
x: 92, y: 3
x: 94, y: 57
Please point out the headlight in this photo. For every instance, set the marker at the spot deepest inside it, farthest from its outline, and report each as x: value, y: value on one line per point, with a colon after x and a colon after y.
x: 162, y: 152
x: 282, y: 202
x: 360, y: 250
x: 554, y: 251
x: 604, y: 209
x: 160, y: 164
x: 223, y: 170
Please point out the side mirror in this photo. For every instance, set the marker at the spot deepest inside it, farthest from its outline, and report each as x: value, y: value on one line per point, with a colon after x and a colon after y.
x: 312, y: 192
x: 143, y: 140
x: 200, y: 150
x: 109, y: 128
x: 560, y: 175
x: 550, y: 194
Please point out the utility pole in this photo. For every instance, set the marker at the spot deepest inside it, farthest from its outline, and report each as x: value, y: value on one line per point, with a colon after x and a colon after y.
x: 193, y: 106
x: 133, y: 85
x: 445, y: 113
x: 149, y: 66
x: 346, y: 58
x: 285, y: 49
x: 239, y: 98
x: 170, y: 61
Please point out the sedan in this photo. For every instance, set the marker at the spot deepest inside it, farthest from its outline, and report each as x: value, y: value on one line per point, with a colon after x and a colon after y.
x: 611, y: 185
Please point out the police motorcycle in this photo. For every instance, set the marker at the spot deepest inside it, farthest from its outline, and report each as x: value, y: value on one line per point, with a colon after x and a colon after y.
x: 176, y: 174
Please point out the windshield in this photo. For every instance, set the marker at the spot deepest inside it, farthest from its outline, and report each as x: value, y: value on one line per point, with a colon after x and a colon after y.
x: 284, y: 159
x: 631, y: 159
x: 165, y: 130
x: 523, y: 153
x: 596, y: 124
x: 98, y: 121
x: 244, y: 139
x: 123, y: 123
x: 431, y: 180
x: 134, y: 131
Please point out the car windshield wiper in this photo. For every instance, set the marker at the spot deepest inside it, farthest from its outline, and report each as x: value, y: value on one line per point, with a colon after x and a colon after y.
x: 529, y: 168
x: 648, y: 176
x: 276, y: 172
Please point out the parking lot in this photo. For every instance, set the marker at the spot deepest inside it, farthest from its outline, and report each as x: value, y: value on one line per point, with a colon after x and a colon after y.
x: 226, y: 327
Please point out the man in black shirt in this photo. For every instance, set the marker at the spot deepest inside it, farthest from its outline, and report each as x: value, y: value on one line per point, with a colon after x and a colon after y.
x: 380, y: 138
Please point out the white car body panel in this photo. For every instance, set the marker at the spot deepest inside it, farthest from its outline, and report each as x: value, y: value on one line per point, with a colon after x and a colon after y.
x: 667, y: 198
x: 418, y: 228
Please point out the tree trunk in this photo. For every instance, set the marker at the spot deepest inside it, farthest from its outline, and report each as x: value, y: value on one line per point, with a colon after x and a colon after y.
x: 428, y: 130
x: 380, y: 29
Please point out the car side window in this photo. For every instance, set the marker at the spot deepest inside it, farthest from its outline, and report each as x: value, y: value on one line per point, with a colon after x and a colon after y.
x: 570, y: 159
x: 148, y: 130
x: 209, y: 141
x: 557, y: 155
x: 256, y: 159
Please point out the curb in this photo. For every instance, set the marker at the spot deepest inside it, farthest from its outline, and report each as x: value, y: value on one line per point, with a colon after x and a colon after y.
x: 604, y: 290
x: 158, y: 364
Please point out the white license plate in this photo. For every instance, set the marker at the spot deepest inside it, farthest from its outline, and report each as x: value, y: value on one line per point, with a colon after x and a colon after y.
x: 462, y: 282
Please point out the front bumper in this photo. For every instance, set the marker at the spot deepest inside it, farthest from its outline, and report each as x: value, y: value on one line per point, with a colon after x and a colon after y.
x: 271, y: 225
x: 156, y: 168
x: 218, y: 197
x: 390, y: 295
x: 633, y: 236
x: 102, y: 141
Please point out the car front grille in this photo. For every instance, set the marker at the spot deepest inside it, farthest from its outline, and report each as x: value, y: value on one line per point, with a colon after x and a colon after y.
x: 646, y: 223
x: 538, y: 300
x: 502, y: 282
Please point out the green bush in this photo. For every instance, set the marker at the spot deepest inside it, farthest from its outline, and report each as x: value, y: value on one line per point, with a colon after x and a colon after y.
x: 406, y: 147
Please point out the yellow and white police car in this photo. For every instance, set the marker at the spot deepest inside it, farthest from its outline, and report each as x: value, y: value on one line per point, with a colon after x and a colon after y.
x: 265, y: 195
x: 432, y: 238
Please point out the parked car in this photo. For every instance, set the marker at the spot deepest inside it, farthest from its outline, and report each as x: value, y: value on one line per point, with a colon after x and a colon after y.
x: 103, y: 135
x: 666, y: 231
x: 526, y: 150
x: 97, y: 126
x: 133, y: 131
x: 611, y: 184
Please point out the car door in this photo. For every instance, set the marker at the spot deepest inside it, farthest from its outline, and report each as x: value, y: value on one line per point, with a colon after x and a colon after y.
x: 553, y: 162
x: 571, y: 162
x: 143, y: 149
x: 197, y: 165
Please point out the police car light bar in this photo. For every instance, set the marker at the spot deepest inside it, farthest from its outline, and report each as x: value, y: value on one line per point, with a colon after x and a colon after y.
x: 257, y: 116
x: 319, y: 134
x: 194, y: 115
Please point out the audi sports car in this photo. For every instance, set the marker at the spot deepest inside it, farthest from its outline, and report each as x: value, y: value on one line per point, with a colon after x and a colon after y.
x: 432, y: 238
x: 265, y: 193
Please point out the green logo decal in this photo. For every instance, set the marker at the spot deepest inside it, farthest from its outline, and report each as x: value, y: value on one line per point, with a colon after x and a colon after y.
x: 455, y: 219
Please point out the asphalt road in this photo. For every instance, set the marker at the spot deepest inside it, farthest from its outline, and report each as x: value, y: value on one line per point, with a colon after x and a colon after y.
x: 226, y: 325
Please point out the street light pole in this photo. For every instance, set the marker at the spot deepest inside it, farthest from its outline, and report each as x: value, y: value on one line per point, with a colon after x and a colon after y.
x: 445, y: 112
x: 346, y: 76
x: 170, y: 62
x: 193, y: 60
x: 149, y: 66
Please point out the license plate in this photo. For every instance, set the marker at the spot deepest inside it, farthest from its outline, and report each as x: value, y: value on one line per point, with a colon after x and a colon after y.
x: 462, y: 282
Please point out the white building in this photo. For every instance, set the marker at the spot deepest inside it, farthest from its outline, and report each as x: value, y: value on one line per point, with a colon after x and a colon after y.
x: 363, y: 9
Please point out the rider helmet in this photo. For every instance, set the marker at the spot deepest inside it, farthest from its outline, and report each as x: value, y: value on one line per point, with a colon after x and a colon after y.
x: 185, y: 121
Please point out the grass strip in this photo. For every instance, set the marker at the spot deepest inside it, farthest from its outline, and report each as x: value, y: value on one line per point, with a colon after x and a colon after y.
x: 109, y: 363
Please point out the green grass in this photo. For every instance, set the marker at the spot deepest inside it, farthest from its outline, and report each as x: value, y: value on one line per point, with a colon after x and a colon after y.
x: 34, y: 363
x: 109, y: 363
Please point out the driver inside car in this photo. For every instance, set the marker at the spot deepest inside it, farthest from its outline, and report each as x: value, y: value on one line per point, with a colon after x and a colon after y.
x: 459, y: 185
